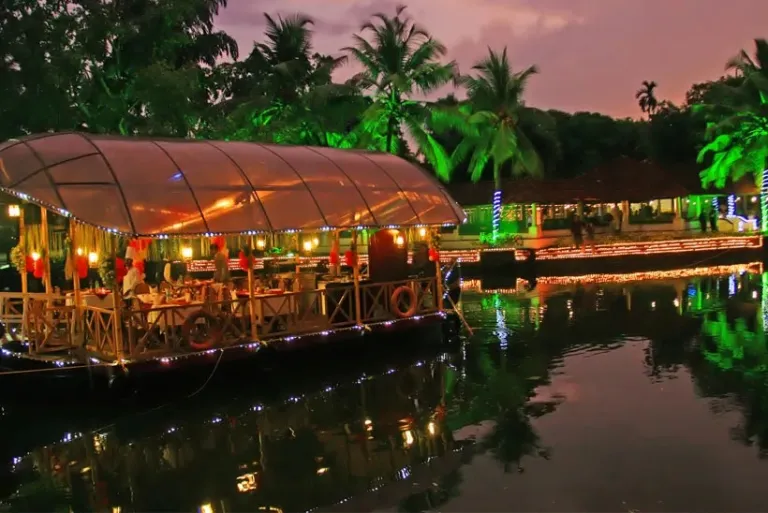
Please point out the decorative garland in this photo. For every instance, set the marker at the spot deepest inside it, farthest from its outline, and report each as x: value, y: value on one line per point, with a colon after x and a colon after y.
x: 19, y: 259
x: 107, y: 273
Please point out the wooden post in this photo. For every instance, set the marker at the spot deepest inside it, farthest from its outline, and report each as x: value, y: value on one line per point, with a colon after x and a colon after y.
x: 438, y: 278
x: 251, y: 305
x: 337, y: 242
x: 46, y: 250
x: 24, y: 276
x: 117, y: 328
x: 73, y: 257
x: 356, y: 278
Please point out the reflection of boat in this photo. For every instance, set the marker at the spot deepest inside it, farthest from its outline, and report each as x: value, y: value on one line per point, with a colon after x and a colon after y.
x: 303, y: 453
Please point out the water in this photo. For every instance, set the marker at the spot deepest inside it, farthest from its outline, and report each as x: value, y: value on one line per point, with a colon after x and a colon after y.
x: 563, y: 400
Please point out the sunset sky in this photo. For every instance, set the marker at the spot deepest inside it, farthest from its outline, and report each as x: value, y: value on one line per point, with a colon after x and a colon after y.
x: 593, y: 54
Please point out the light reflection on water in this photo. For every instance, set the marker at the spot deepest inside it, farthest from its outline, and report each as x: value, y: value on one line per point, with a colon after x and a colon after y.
x: 589, y: 397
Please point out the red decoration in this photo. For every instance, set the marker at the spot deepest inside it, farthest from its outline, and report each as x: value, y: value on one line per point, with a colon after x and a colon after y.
x: 39, y: 271
x: 434, y: 255
x: 220, y: 242
x: 350, y: 258
x: 120, y: 270
x: 30, y: 264
x: 243, y: 261
x: 139, y: 265
x: 81, y: 264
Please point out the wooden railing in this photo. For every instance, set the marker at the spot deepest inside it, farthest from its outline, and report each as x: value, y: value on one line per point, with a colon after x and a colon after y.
x: 138, y: 330
x: 45, y: 323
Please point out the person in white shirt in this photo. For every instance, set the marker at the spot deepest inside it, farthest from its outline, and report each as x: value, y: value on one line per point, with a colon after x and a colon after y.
x: 131, y: 279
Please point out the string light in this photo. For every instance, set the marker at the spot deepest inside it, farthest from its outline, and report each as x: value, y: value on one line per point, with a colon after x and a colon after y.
x: 764, y: 201
x: 752, y: 268
x: 248, y: 346
x: 496, y: 219
x: 731, y: 205
x: 653, y: 247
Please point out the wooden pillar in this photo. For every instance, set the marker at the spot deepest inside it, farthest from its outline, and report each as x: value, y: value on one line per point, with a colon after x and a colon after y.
x: 438, y: 276
x: 251, y: 300
x: 337, y: 247
x: 117, y: 294
x: 24, y: 275
x: 46, y: 256
x: 73, y: 257
x: 356, y: 278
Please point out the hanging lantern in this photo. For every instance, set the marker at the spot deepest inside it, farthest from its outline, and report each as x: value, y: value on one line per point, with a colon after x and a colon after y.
x: 243, y: 261
x: 82, y: 266
x: 39, y: 268
x: 30, y: 264
x: 434, y: 255
x: 350, y: 258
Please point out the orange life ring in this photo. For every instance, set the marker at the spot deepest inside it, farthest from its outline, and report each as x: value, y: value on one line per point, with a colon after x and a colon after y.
x: 395, y: 302
x: 214, y: 337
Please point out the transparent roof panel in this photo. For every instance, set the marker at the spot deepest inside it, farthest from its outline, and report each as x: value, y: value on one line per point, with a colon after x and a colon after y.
x: 191, y: 187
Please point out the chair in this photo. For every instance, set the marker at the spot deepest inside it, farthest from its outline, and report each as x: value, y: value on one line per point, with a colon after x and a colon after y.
x: 141, y: 288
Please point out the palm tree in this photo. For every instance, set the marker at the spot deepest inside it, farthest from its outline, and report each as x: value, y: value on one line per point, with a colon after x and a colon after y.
x: 738, y: 124
x: 646, y: 98
x: 400, y: 59
x: 283, y: 92
x: 491, y: 125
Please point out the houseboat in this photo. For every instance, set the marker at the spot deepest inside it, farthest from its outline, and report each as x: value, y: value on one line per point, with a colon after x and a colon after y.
x: 644, y: 218
x: 115, y: 232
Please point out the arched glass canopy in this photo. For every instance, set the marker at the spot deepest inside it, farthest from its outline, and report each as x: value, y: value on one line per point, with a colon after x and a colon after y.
x: 188, y: 187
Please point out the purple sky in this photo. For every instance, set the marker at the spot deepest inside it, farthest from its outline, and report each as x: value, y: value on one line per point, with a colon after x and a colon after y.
x: 592, y: 54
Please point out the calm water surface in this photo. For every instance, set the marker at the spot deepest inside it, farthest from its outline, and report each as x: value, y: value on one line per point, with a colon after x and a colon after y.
x: 645, y: 396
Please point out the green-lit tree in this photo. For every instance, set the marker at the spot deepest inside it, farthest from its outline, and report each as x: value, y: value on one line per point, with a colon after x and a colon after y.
x: 646, y: 98
x: 491, y: 125
x: 738, y: 122
x: 400, y: 59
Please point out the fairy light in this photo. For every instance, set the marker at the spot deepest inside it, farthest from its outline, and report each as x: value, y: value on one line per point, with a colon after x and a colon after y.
x: 716, y: 203
x: 654, y: 248
x: 752, y: 268
x: 764, y: 201
x: 248, y: 346
x: 496, y: 219
x: 731, y: 205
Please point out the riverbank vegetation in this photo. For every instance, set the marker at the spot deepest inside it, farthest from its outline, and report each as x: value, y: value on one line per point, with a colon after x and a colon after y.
x: 134, y: 67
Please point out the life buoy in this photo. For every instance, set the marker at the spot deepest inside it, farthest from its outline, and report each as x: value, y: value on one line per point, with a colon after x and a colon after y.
x: 214, y: 336
x: 395, y: 302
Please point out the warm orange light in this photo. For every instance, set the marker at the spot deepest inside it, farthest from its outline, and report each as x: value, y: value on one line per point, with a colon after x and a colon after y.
x: 35, y: 256
x: 400, y: 241
x: 422, y: 232
x: 307, y: 245
x: 79, y: 251
x: 261, y: 243
x: 315, y: 242
x: 14, y: 211
x: 93, y: 257
x: 186, y: 253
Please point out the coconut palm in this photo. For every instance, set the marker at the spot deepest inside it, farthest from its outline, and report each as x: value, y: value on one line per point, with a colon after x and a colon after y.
x: 400, y: 59
x: 491, y: 124
x: 646, y: 98
x: 738, y: 123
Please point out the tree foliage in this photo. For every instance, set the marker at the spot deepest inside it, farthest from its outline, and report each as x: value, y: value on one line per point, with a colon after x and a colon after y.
x: 737, y: 116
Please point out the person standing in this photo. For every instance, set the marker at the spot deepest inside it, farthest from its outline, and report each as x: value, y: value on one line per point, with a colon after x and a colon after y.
x: 589, y: 229
x: 576, y: 227
x: 221, y: 265
x: 616, y: 218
